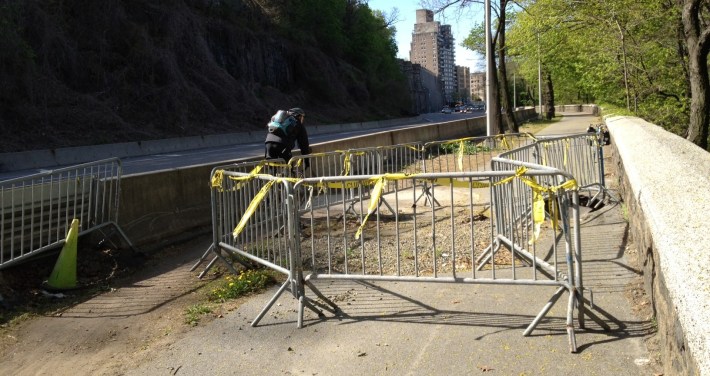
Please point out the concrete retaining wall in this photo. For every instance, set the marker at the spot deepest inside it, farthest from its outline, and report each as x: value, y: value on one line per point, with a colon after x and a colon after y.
x: 585, y: 108
x: 665, y: 184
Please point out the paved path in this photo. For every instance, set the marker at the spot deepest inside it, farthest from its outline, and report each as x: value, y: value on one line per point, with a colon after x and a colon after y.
x: 433, y: 329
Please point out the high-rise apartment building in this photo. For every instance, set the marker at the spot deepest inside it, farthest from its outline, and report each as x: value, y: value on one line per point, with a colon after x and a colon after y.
x: 478, y: 86
x: 463, y: 89
x: 432, y: 47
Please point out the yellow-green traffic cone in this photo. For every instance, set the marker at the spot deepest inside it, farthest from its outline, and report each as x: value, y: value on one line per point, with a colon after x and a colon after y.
x: 64, y: 274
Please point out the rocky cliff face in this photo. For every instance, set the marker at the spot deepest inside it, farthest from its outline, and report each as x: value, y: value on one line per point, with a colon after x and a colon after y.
x: 90, y: 72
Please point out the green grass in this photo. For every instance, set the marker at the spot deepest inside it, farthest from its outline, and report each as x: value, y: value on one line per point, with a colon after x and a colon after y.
x: 195, y: 312
x: 535, y: 125
x: 229, y: 288
x: 469, y: 148
x: 625, y: 212
x: 247, y: 282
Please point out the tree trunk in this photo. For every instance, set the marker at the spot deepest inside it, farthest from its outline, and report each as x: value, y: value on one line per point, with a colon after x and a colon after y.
x: 622, y: 36
x: 508, y: 117
x: 698, y: 42
x: 493, y: 108
x: 550, y: 98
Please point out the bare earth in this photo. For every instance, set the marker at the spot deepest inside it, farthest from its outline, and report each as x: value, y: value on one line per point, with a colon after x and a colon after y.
x: 116, y: 330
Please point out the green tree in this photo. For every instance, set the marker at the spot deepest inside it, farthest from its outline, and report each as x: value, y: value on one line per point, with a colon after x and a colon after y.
x: 476, y: 41
x: 622, y: 52
x: 350, y: 30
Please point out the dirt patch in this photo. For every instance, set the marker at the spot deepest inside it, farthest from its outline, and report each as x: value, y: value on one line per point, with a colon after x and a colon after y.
x: 125, y: 312
x: 24, y: 289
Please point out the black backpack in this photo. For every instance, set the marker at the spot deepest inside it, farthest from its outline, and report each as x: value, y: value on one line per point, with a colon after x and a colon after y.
x: 281, y: 123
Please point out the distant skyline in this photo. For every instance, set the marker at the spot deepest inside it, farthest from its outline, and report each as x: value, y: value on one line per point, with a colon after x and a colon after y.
x: 461, y: 24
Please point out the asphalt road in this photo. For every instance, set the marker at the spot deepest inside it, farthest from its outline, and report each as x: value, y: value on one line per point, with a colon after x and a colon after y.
x: 218, y: 154
x: 158, y: 162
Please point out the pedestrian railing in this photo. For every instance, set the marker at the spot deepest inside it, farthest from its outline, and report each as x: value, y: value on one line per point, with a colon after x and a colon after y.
x: 37, y: 210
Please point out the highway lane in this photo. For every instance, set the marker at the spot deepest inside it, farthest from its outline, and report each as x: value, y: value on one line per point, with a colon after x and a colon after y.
x: 216, y: 155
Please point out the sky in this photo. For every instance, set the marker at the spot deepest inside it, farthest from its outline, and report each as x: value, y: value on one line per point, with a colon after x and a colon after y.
x: 461, y: 22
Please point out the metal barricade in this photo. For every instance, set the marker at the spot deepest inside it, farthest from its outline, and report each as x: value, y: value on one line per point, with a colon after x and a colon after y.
x: 410, y: 244
x: 256, y: 218
x: 580, y: 155
x: 37, y: 210
x: 471, y: 153
x: 276, y: 167
x: 343, y: 232
x: 363, y: 161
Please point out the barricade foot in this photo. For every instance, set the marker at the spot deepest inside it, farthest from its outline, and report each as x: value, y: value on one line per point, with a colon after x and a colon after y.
x: 589, y: 313
x: 545, y: 309
x: 203, y: 258
x: 271, y: 303
x: 334, y: 309
x: 570, y: 322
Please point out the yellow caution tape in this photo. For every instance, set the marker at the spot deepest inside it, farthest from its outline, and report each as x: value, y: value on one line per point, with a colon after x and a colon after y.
x: 461, y: 146
x: 347, y: 162
x: 538, y: 213
x: 539, y: 201
x: 505, y: 143
x: 216, y: 181
x: 256, y: 201
x: 252, y: 208
x: 376, y: 193
x: 346, y: 165
x: 298, y: 163
x: 217, y: 178
x: 380, y: 182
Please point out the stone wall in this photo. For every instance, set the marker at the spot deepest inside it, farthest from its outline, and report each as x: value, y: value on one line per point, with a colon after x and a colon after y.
x: 663, y: 180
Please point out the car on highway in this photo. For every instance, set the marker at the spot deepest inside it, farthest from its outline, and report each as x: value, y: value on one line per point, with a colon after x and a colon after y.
x: 446, y: 110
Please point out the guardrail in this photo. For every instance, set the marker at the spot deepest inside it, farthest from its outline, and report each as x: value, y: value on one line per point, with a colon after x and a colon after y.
x: 37, y: 210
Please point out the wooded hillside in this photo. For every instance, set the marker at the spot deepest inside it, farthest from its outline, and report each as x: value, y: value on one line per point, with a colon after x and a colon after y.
x: 89, y: 72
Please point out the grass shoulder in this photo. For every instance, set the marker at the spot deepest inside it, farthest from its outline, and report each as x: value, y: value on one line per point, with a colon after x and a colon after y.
x: 536, y: 125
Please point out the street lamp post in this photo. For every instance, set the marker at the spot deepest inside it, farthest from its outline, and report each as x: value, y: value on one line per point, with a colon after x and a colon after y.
x: 539, y: 76
x: 489, y: 68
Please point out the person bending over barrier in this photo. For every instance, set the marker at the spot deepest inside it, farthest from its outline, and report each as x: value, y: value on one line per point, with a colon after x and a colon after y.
x: 285, y: 130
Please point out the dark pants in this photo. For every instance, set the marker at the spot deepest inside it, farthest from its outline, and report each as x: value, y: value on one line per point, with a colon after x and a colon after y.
x: 276, y: 150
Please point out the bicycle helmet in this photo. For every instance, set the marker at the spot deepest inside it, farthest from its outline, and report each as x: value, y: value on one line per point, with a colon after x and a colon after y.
x: 297, y: 111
